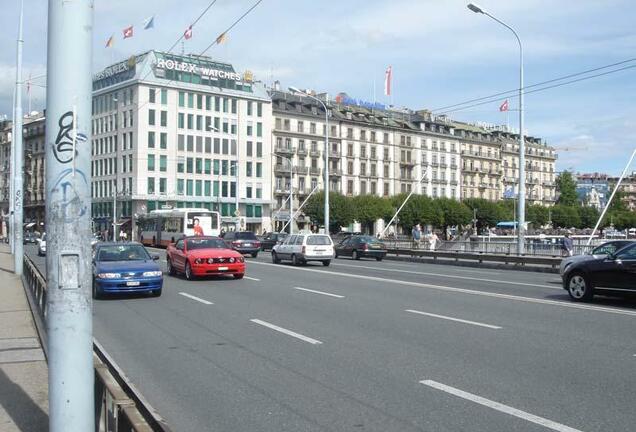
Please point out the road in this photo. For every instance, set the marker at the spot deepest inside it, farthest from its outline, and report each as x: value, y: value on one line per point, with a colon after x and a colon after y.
x: 366, y: 346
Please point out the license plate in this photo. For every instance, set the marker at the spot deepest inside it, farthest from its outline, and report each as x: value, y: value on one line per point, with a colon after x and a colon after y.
x: 133, y: 283
x: 376, y: 247
x: 223, y: 268
x: 247, y: 244
x: 318, y: 252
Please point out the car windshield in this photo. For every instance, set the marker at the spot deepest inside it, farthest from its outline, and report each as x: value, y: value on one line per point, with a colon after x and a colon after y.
x: 245, y: 236
x: 320, y: 240
x: 368, y: 239
x: 205, y: 243
x: 128, y: 252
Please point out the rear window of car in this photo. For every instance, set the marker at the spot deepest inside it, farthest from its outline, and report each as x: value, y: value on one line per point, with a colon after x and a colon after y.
x: 318, y: 240
x: 368, y: 239
x: 246, y: 235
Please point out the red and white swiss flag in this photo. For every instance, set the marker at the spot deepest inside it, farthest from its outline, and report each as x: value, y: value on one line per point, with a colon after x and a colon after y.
x: 188, y: 33
x: 128, y: 32
x: 387, y: 81
x: 504, y: 106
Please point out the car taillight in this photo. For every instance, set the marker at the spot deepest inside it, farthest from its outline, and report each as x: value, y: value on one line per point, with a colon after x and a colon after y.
x: 304, y: 248
x: 257, y: 244
x: 236, y: 243
x: 366, y: 246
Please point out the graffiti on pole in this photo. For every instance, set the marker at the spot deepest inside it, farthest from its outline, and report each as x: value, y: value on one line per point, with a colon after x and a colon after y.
x: 66, y: 201
x: 64, y: 141
x: 17, y: 203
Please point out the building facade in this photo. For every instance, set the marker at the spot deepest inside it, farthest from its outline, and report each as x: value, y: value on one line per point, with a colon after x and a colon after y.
x: 593, y: 189
x: 627, y: 189
x: 5, y: 174
x: 34, y: 173
x: 175, y: 131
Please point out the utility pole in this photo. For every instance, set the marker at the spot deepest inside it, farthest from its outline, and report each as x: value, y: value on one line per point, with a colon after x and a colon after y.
x: 115, y: 236
x: 10, y: 225
x: 18, y: 248
x: 68, y: 216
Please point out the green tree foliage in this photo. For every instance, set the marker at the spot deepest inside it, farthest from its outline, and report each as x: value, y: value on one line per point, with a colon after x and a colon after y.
x: 454, y: 213
x: 589, y: 216
x: 488, y: 213
x: 620, y: 219
x: 314, y: 208
x: 565, y: 216
x: 566, y: 187
x: 369, y: 208
x: 538, y: 215
x: 618, y: 202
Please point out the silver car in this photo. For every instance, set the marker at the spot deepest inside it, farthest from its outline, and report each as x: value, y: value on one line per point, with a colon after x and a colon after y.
x: 597, y: 252
x: 42, y: 245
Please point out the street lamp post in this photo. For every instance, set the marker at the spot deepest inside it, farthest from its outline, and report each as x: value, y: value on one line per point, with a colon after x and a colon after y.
x: 521, y: 210
x: 296, y: 91
x: 291, y: 193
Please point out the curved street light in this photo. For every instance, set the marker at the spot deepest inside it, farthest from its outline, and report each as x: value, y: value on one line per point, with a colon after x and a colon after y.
x: 521, y: 210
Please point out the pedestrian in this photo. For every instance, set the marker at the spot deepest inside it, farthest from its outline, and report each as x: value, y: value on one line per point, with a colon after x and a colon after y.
x: 433, y: 239
x: 567, y: 245
x: 122, y: 235
x: 416, y: 233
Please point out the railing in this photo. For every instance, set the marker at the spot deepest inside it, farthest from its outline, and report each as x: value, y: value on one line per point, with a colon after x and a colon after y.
x: 119, y: 407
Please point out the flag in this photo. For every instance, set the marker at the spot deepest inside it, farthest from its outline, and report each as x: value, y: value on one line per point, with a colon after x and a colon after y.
x: 149, y: 23
x: 504, y: 106
x: 188, y: 33
x: 128, y: 32
x: 110, y: 41
x: 387, y: 81
x: 29, y: 85
x: 220, y: 39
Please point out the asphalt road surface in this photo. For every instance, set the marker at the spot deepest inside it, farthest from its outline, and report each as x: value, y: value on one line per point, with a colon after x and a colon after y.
x: 367, y: 346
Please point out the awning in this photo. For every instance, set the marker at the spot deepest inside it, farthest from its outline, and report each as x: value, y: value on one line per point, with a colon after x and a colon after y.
x: 507, y: 225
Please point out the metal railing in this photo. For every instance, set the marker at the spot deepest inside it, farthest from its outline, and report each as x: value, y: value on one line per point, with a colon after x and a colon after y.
x: 119, y: 407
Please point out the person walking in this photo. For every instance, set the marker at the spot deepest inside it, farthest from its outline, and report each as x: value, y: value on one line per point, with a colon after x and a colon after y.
x: 416, y: 233
x: 567, y: 246
x: 433, y: 241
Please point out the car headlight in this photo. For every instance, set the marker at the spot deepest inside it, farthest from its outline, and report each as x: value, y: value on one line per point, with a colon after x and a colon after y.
x: 109, y: 275
x: 152, y: 273
x: 231, y: 260
x: 198, y: 261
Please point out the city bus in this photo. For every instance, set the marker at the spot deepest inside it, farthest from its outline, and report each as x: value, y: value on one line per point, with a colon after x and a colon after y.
x: 161, y: 227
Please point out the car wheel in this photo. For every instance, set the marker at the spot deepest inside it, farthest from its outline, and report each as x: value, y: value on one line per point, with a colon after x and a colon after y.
x: 254, y: 254
x: 188, y: 271
x: 378, y: 258
x: 579, y: 287
x: 294, y: 260
x: 275, y: 258
x: 171, y: 270
x: 238, y: 275
x: 156, y: 293
x: 326, y: 263
x: 354, y: 255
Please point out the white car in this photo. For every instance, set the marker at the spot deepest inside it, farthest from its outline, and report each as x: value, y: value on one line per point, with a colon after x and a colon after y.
x: 301, y: 248
x: 42, y: 245
x: 597, y: 252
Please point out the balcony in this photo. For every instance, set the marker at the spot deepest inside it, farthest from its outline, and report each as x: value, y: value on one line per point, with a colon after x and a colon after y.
x: 549, y: 184
x: 283, y: 191
x: 302, y: 170
x: 407, y: 162
x: 335, y: 154
x: 453, y: 166
x: 282, y: 169
x: 301, y: 151
x: 315, y: 171
x: 315, y: 153
x: 443, y: 165
x: 303, y: 191
x: 335, y: 172
x: 284, y: 150
x: 435, y: 164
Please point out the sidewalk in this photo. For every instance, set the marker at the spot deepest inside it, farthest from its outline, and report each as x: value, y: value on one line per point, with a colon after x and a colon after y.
x: 23, y: 369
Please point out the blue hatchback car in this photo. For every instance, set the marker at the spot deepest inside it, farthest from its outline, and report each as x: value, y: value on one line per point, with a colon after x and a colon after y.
x: 125, y: 268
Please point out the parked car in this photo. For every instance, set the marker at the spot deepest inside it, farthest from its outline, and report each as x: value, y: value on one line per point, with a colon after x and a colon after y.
x: 599, y: 251
x: 42, y: 245
x: 271, y: 239
x: 301, y: 248
x: 359, y: 246
x: 244, y: 242
x: 203, y: 256
x: 614, y: 273
x: 29, y: 238
x: 125, y: 268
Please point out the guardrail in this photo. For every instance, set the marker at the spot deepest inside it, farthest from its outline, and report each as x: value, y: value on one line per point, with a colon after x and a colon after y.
x: 518, y: 260
x: 119, y: 407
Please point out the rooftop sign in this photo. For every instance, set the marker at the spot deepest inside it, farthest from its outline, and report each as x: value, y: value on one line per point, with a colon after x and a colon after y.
x: 346, y: 100
x: 196, y: 69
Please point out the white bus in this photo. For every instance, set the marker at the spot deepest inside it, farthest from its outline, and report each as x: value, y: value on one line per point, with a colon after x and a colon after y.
x: 161, y: 227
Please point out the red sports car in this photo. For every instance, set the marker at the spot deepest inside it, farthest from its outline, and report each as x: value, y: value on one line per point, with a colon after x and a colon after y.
x: 204, y: 256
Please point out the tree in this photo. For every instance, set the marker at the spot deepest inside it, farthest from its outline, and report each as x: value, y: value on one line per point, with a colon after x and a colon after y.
x: 565, y: 216
x: 454, y: 213
x: 418, y: 210
x: 489, y: 213
x: 315, y: 207
x: 538, y: 215
x: 589, y: 216
x: 618, y: 203
x: 566, y: 187
x: 369, y: 208
x: 341, y: 212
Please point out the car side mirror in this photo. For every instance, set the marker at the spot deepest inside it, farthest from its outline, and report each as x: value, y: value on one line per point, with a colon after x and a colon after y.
x: 611, y: 257
x: 155, y: 257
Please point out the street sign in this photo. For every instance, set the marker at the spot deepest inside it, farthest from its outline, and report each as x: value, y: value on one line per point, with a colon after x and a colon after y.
x: 237, y: 213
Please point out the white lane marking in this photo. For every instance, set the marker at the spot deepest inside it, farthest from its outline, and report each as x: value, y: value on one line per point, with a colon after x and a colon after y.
x: 500, y: 407
x: 251, y: 278
x: 475, y: 323
x: 461, y: 290
x: 451, y: 276
x: 319, y: 292
x: 196, y: 298
x: 287, y: 332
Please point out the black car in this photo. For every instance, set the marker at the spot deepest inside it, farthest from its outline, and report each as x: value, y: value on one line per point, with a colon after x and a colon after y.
x: 613, y: 274
x: 271, y: 239
x: 29, y: 238
x: 358, y: 246
x: 244, y: 242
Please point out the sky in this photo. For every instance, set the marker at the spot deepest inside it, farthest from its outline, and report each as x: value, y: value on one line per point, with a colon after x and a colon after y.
x: 440, y: 52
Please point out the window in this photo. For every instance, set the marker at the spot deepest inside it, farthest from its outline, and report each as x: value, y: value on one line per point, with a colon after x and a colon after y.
x: 164, y: 96
x: 180, y: 142
x: 151, y: 95
x: 151, y: 185
x: 151, y: 117
x: 163, y: 163
x: 163, y: 140
x: 259, y: 109
x: 259, y: 149
x: 181, y: 121
x: 249, y: 108
x: 259, y: 169
x: 198, y: 187
x: 190, y: 100
x: 207, y: 188
x: 189, y: 165
x: 248, y: 169
x: 234, y: 106
x: 198, y: 166
x: 180, y: 187
x: 151, y: 162
x: 190, y: 143
x: 190, y: 121
x: 208, y: 103
x: 151, y: 140
x: 180, y: 165
x: 163, y: 185
x: 164, y: 118
x: 181, y: 99
x: 249, y: 149
x: 190, y: 187
x: 199, y: 101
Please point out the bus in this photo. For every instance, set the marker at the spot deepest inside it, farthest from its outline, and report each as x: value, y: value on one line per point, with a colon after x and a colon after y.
x: 161, y: 227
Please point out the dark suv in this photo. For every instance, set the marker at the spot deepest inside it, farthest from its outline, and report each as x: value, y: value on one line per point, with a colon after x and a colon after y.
x: 244, y: 242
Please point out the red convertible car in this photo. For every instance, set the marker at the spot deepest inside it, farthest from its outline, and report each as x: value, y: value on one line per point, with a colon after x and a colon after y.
x: 203, y: 256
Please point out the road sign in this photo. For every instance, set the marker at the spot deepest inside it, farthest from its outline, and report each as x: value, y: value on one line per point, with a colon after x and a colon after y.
x: 237, y: 213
